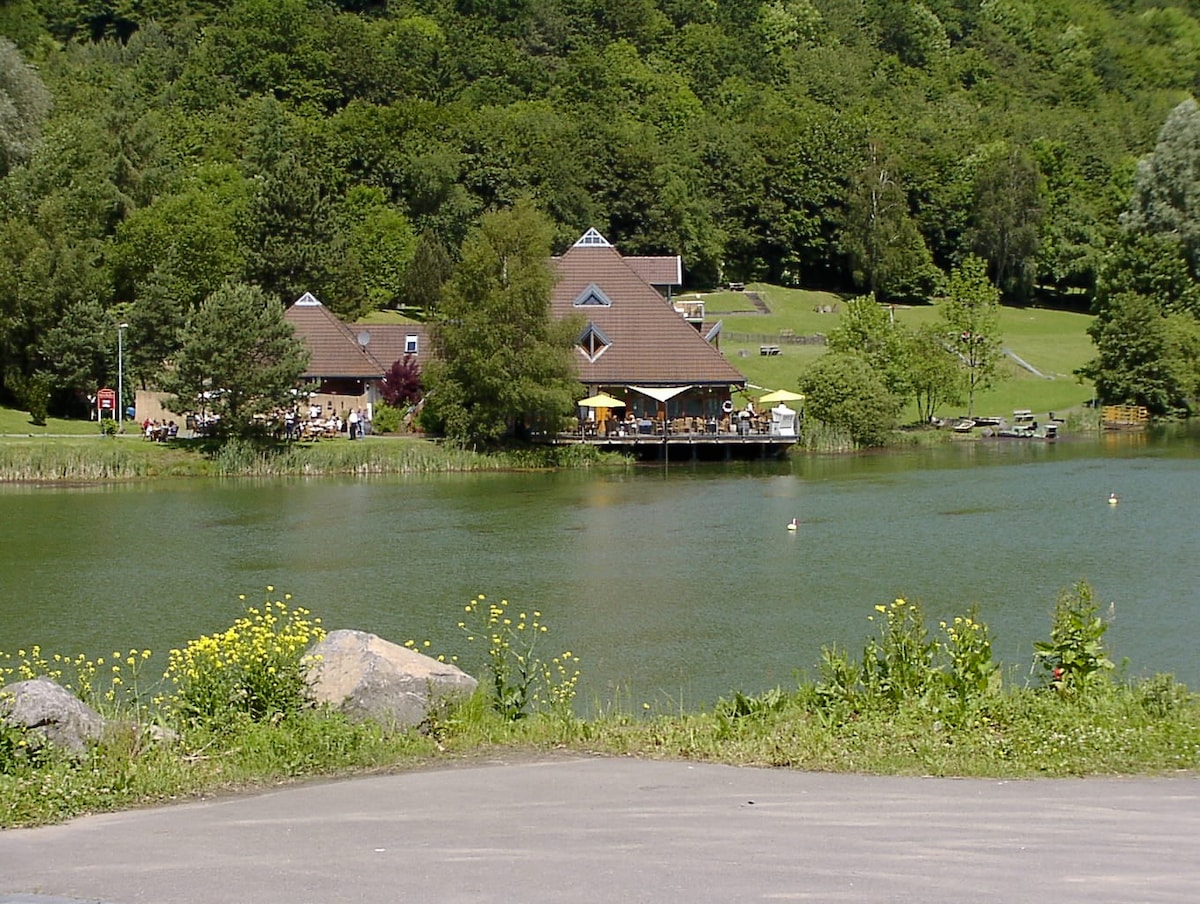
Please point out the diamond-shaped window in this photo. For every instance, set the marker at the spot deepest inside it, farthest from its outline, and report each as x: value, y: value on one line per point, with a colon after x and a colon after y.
x: 592, y: 342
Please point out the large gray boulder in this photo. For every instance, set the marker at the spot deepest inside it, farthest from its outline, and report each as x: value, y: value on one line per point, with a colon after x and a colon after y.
x: 367, y: 677
x: 52, y: 713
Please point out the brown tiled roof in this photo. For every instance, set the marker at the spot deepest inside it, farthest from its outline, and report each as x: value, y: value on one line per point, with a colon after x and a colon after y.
x: 649, y: 343
x: 387, y: 341
x: 658, y: 271
x: 334, y: 350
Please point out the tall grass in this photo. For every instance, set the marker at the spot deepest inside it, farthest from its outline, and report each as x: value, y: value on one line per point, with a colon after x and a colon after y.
x: 93, y: 459
x: 101, y: 458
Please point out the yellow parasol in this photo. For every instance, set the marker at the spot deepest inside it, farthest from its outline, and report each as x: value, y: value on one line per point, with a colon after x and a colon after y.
x: 780, y: 395
x: 600, y: 401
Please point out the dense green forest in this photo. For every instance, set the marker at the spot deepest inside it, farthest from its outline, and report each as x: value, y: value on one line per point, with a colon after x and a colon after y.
x: 153, y: 150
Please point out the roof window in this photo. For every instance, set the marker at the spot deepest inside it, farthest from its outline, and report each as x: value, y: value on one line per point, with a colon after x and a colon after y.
x: 592, y: 295
x: 592, y: 342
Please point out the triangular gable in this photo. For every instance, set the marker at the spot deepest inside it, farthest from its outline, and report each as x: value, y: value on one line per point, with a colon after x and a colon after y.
x: 592, y: 239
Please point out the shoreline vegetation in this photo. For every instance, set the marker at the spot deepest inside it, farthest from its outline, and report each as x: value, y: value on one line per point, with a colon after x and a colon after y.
x: 232, y: 712
x: 93, y: 458
x: 86, y: 459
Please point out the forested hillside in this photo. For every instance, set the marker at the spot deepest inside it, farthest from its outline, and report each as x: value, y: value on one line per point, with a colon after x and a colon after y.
x: 151, y: 150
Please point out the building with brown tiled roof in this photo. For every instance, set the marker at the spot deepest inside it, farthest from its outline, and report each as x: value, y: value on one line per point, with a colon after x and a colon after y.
x: 634, y: 344
x: 347, y: 361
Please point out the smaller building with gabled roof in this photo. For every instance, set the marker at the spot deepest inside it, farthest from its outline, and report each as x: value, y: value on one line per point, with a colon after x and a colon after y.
x: 347, y: 361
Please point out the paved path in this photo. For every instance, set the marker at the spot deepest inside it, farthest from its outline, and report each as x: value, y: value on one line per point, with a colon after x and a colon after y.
x: 620, y: 830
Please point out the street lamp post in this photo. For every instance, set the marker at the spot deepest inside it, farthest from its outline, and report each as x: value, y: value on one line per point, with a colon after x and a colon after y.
x: 121, y: 328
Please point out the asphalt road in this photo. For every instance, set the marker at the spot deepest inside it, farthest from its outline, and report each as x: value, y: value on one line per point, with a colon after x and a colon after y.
x: 623, y: 830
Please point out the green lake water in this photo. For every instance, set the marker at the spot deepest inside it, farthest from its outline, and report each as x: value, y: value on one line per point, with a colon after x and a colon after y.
x: 673, y: 585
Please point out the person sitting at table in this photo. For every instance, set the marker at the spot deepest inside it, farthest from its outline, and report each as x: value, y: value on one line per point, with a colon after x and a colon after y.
x: 172, y: 430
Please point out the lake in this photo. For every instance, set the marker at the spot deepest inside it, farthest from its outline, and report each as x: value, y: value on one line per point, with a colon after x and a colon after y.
x: 674, y: 585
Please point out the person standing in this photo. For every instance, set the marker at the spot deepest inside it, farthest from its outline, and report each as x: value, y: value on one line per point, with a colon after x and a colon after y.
x: 353, y: 422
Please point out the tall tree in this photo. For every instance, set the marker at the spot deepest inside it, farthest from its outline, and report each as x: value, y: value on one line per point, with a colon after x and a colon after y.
x: 888, y: 255
x: 24, y: 104
x: 868, y: 331
x: 502, y: 361
x: 1166, y: 187
x: 429, y: 271
x: 1145, y: 356
x: 970, y: 324
x: 1007, y: 216
x: 239, y: 353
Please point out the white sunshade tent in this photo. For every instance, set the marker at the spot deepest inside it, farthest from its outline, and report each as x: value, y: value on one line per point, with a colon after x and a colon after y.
x: 661, y: 393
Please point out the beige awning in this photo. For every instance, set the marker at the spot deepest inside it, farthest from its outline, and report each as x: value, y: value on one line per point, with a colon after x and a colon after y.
x: 603, y: 400
x: 661, y: 393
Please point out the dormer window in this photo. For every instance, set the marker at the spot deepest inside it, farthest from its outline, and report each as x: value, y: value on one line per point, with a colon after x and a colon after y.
x: 592, y: 342
x: 592, y: 295
x: 410, y: 344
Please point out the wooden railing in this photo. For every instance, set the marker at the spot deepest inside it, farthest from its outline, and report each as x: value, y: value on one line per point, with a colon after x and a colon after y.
x: 1125, y: 415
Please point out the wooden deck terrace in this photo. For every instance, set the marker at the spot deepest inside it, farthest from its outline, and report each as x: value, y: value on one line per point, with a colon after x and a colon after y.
x: 695, y: 442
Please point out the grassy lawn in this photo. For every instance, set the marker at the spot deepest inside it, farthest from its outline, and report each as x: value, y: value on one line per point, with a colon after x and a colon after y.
x: 1053, y: 342
x: 15, y: 422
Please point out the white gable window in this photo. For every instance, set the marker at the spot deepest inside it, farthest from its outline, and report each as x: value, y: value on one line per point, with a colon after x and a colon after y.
x: 410, y: 344
x: 592, y: 239
x: 592, y: 342
x: 592, y: 295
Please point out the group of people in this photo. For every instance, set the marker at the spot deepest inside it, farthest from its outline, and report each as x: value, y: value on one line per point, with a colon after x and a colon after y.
x: 356, y: 424
x: 159, y: 431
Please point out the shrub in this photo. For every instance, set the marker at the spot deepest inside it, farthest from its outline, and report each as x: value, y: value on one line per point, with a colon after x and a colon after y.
x: 385, y: 419
x: 252, y: 671
x: 1074, y: 658
x: 37, y: 398
x: 843, y: 393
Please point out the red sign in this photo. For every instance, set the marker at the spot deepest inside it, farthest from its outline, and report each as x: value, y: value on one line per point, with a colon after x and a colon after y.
x: 106, y: 399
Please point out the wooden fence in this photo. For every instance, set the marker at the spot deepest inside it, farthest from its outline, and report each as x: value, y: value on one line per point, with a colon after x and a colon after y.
x: 783, y: 337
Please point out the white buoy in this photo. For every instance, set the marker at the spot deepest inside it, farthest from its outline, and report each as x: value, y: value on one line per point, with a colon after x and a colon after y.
x: 1112, y: 499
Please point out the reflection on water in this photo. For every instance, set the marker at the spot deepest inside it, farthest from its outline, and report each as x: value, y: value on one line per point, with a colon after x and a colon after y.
x: 679, y: 583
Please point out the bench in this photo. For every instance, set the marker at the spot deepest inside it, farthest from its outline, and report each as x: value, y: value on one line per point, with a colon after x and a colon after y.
x: 768, y: 349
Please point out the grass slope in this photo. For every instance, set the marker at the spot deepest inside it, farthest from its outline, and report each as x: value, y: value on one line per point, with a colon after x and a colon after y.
x: 1053, y: 342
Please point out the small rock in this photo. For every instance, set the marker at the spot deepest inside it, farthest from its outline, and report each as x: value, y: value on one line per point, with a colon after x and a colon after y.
x: 51, y: 712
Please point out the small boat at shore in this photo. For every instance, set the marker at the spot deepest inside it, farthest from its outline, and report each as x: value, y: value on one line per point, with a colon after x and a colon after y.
x: 1025, y: 426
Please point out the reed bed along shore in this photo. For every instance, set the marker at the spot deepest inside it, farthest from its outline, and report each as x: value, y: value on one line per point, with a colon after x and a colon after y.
x: 96, y: 459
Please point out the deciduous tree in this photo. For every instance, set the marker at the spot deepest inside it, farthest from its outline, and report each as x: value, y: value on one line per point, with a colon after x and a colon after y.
x: 502, y: 361
x: 843, y: 392
x: 1145, y: 355
x: 24, y: 103
x: 970, y: 324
